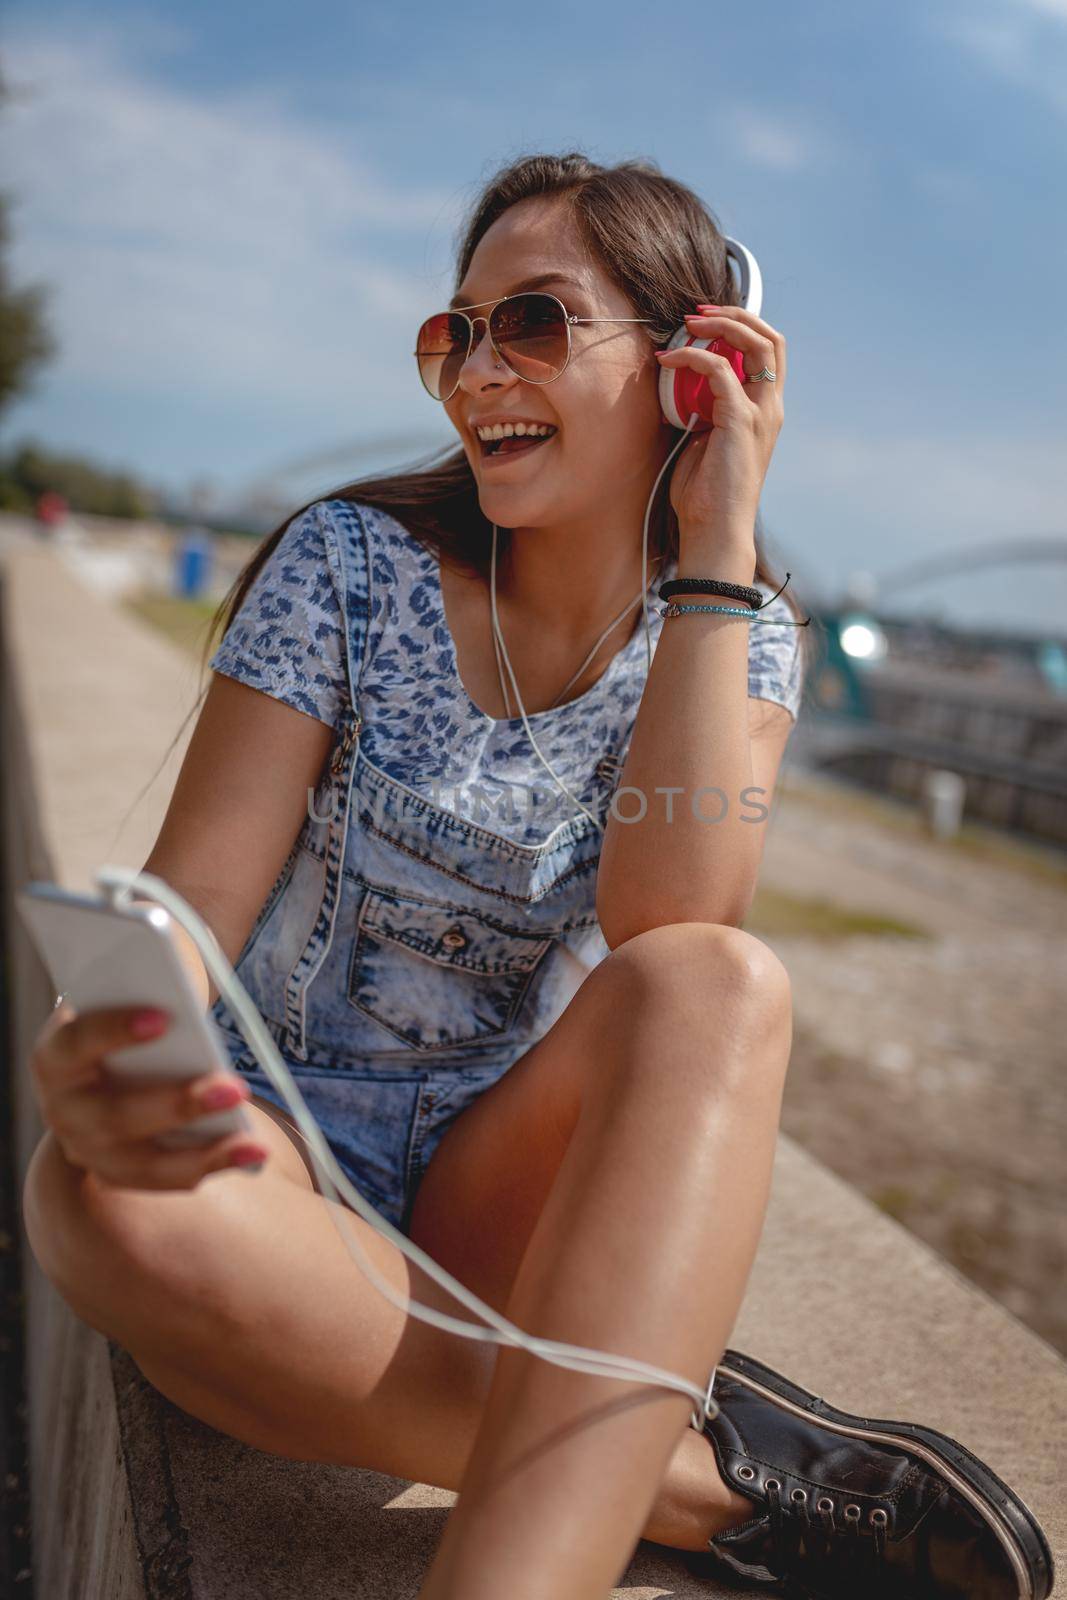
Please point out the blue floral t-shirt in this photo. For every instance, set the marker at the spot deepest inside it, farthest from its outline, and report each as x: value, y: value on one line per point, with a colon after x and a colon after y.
x: 424, y: 729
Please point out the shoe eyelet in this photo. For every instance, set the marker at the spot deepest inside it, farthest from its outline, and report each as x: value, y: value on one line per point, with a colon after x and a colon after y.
x: 853, y: 1513
x: 772, y: 1483
x: 799, y: 1495
x: 880, y: 1517
x: 746, y: 1472
x: 824, y: 1504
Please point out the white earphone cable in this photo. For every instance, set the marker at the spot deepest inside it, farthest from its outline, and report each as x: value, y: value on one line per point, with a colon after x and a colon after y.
x: 119, y: 882
x: 499, y: 637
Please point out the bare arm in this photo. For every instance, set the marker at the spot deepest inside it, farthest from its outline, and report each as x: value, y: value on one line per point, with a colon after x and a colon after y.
x: 694, y: 855
x: 237, y: 807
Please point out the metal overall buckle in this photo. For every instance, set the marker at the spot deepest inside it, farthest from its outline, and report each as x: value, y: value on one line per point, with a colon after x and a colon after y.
x: 346, y: 742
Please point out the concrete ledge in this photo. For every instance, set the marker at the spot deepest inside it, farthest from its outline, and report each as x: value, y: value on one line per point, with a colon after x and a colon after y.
x: 135, y: 1499
x: 841, y: 1299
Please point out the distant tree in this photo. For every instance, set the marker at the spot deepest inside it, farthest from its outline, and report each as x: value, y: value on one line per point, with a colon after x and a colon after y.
x: 30, y: 470
x: 25, y: 340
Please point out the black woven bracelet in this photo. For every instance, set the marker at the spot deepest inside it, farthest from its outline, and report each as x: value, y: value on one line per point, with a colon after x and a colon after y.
x: 737, y: 591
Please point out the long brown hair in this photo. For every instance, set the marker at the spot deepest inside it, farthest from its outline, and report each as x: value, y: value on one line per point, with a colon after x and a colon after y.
x: 657, y: 241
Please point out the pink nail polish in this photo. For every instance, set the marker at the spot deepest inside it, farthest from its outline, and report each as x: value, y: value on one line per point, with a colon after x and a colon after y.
x: 223, y: 1095
x: 146, y: 1024
x: 248, y: 1155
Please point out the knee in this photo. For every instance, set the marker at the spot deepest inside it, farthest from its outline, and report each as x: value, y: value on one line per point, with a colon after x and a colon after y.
x: 90, y: 1240
x: 693, y: 966
x: 713, y: 998
x: 49, y: 1207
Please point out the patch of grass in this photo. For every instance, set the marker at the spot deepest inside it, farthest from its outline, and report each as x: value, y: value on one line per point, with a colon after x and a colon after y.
x: 984, y: 845
x: 185, y: 622
x: 945, y: 1186
x: 774, y: 913
x: 969, y: 1245
x: 979, y: 841
x: 894, y: 1199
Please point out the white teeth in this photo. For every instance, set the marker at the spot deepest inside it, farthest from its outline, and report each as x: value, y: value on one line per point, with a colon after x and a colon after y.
x: 505, y: 430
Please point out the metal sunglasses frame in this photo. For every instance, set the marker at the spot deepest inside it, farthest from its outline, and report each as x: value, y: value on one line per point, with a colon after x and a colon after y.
x: 569, y: 321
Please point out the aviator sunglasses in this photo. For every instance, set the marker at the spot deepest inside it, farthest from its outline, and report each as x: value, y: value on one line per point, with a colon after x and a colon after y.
x: 530, y: 332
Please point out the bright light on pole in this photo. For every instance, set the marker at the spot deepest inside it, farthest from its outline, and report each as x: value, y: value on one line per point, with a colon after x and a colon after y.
x: 862, y: 638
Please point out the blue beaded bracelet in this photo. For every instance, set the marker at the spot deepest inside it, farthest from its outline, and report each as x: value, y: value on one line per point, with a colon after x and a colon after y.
x: 676, y: 610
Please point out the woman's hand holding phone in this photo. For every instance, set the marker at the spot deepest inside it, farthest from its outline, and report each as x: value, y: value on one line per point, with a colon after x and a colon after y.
x: 108, y: 1126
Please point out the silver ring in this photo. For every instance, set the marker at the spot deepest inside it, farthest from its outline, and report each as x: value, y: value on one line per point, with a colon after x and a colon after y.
x: 766, y: 376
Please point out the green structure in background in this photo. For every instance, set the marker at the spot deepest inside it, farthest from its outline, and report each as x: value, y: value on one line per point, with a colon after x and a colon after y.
x: 839, y: 687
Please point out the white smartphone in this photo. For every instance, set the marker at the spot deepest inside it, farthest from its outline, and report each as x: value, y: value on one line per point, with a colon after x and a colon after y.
x: 104, y: 954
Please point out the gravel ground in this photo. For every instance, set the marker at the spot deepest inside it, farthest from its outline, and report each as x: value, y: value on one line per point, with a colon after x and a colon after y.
x: 929, y: 1071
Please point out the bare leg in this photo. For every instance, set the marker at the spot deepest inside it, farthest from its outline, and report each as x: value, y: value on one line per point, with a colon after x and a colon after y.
x: 643, y: 1248
x: 213, y: 1291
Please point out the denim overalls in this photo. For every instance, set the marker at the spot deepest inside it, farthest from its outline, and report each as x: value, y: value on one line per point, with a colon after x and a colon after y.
x: 425, y: 931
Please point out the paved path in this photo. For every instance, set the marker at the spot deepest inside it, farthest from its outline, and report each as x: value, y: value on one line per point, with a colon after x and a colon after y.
x: 930, y: 1072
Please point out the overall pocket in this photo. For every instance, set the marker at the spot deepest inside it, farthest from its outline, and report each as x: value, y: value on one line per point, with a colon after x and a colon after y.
x: 437, y: 976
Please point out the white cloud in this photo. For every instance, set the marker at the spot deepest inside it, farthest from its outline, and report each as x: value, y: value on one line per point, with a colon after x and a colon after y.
x: 1052, y: 8
x: 950, y: 185
x: 978, y: 488
x: 772, y: 141
x: 1021, y: 41
x: 200, y: 238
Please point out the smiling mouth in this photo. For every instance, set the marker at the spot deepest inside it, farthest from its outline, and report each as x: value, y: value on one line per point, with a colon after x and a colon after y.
x: 496, y: 449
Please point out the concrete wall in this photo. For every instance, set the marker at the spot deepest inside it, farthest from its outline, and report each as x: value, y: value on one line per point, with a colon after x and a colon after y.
x: 81, y: 1524
x: 132, y: 1497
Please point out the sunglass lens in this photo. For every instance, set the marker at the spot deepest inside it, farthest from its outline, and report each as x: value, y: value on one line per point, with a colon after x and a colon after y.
x: 441, y: 349
x: 530, y: 331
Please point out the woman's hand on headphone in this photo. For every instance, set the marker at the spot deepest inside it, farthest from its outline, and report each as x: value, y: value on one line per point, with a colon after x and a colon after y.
x: 718, y: 476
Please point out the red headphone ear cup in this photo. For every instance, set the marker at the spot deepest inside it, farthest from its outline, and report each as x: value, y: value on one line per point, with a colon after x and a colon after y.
x: 683, y: 391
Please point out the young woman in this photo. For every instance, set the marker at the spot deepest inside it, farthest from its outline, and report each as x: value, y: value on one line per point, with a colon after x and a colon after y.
x: 531, y: 1026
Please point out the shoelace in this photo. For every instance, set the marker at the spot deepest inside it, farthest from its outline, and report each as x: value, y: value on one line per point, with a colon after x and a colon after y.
x: 792, y: 1525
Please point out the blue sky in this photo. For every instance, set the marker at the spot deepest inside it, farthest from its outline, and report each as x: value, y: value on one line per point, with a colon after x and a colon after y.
x: 224, y: 199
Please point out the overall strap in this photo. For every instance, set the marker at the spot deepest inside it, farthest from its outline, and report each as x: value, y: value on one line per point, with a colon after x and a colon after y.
x: 351, y: 567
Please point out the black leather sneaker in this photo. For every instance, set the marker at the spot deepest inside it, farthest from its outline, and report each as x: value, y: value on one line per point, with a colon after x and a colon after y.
x: 861, y: 1508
